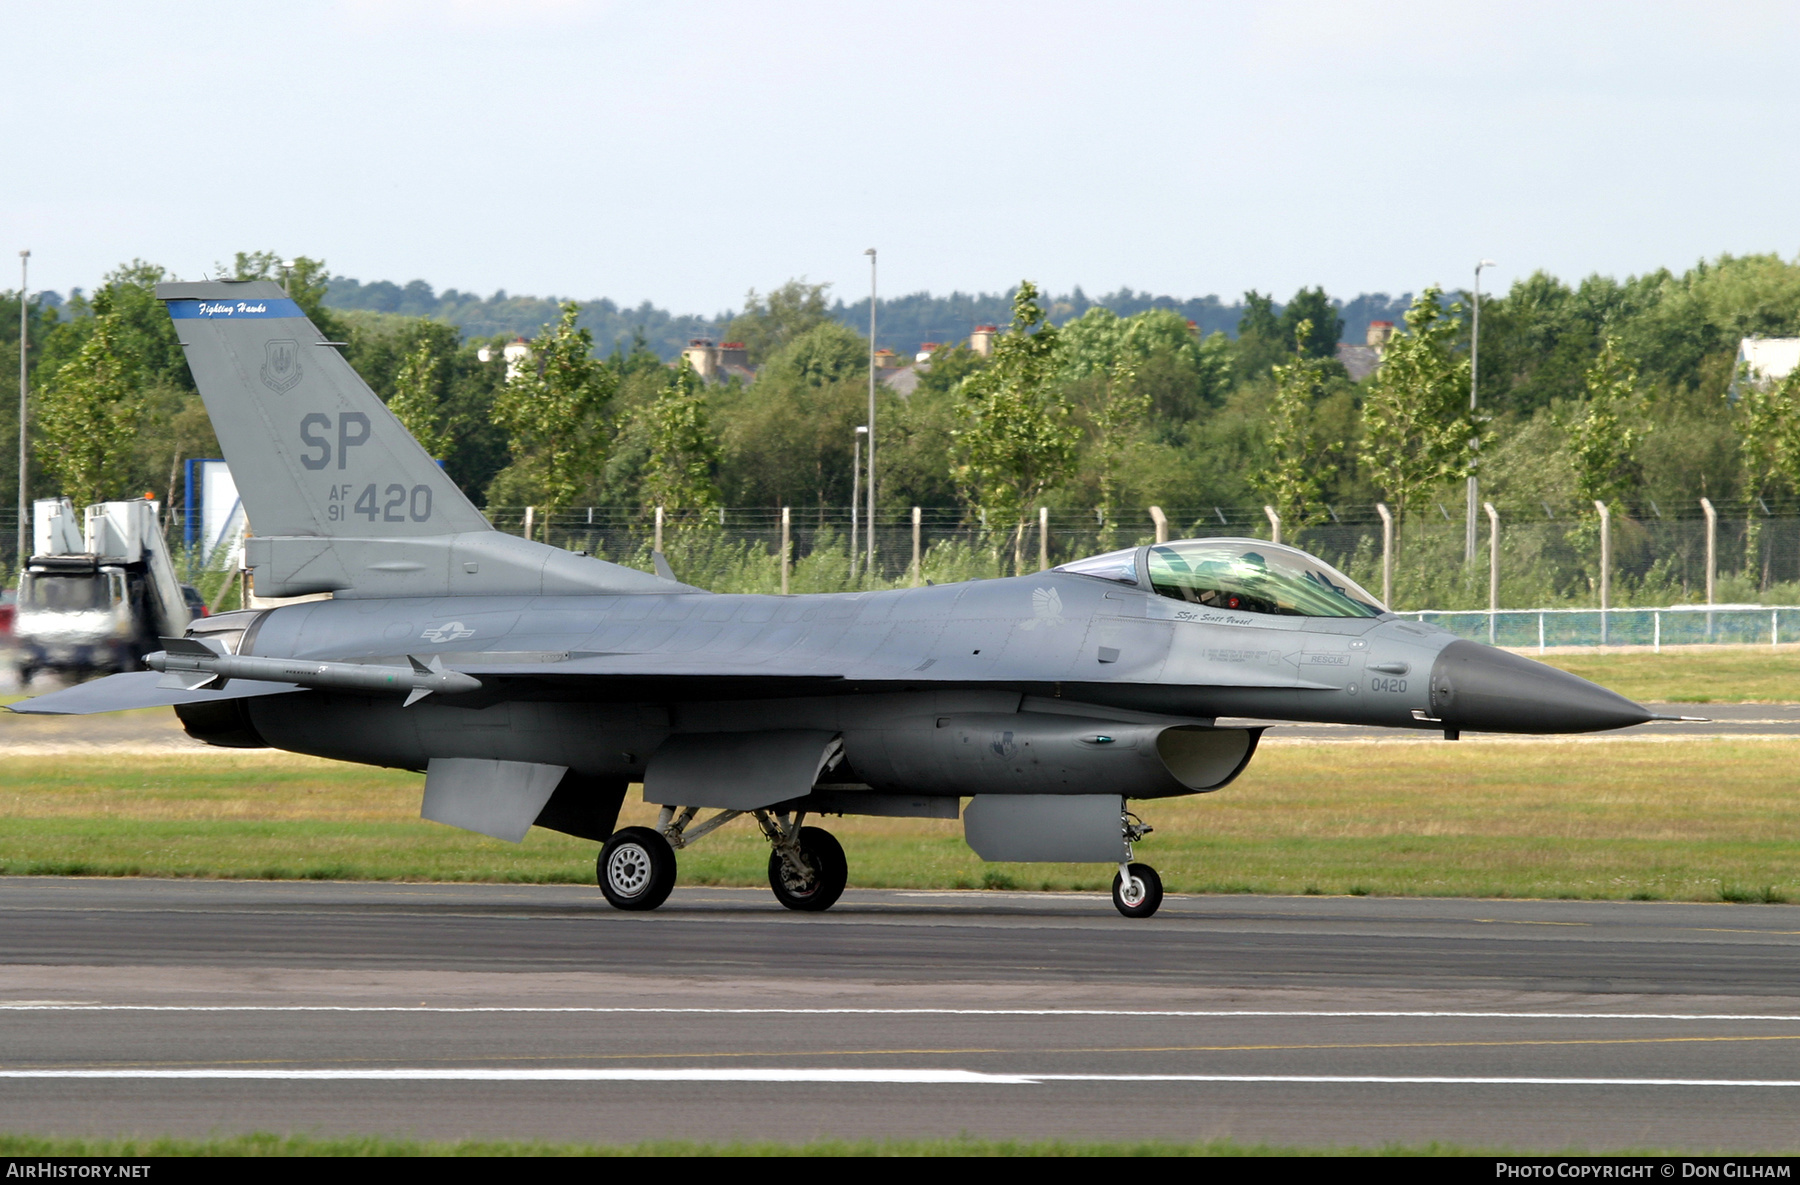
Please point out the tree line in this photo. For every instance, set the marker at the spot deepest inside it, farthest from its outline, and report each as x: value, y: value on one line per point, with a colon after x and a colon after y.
x: 1620, y: 391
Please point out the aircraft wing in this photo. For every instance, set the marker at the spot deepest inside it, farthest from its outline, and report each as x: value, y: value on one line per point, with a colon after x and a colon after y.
x: 136, y: 689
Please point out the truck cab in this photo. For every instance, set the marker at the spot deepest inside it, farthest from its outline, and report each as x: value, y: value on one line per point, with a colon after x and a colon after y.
x: 95, y: 601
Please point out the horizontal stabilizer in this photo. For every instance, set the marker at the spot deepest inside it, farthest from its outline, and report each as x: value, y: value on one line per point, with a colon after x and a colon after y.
x: 135, y: 689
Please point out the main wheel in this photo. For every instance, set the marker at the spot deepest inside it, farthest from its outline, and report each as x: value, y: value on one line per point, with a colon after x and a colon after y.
x: 1142, y: 896
x: 636, y: 869
x: 829, y: 871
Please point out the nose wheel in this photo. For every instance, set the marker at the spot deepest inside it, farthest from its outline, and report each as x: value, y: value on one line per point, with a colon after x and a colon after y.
x: 1136, y: 890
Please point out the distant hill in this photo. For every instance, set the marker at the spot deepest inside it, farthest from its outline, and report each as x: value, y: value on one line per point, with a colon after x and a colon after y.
x: 904, y: 323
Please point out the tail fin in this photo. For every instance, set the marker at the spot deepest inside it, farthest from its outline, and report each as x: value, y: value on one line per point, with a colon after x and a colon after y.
x: 312, y: 449
x: 339, y: 495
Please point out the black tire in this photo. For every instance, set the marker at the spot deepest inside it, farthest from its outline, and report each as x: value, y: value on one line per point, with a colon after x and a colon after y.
x: 1147, y: 895
x: 825, y: 857
x: 636, y: 869
x: 25, y: 674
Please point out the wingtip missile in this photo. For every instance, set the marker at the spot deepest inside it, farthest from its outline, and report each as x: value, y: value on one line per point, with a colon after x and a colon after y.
x: 193, y: 665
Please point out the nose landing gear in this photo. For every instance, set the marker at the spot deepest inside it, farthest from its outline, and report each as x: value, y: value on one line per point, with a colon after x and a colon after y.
x: 1137, y: 890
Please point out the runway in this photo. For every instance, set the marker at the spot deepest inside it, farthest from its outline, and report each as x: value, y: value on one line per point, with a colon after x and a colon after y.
x: 534, y: 1011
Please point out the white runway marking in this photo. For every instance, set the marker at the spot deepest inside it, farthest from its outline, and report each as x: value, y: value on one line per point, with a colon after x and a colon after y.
x: 898, y: 1077
x: 1199, y: 1014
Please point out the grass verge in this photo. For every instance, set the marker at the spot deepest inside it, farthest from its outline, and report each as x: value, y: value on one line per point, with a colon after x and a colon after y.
x: 1748, y: 674
x: 1714, y: 820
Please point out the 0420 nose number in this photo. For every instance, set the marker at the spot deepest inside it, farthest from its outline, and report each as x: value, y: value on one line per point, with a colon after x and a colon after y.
x: 1379, y: 684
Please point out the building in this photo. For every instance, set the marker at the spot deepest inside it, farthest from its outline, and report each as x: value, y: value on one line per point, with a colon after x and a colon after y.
x: 515, y: 352
x: 717, y: 363
x: 981, y: 340
x: 1765, y: 360
x: 1362, y: 361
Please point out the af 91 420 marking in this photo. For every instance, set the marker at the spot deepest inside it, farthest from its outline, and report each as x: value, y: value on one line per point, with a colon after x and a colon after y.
x: 394, y: 504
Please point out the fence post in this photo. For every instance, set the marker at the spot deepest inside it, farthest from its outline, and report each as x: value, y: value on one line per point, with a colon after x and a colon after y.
x: 530, y: 516
x: 1605, y: 564
x: 1162, y: 524
x: 1712, y: 558
x: 1493, y: 567
x: 1274, y: 524
x: 1043, y: 538
x: 1712, y: 547
x: 1540, y: 631
x: 1387, y: 554
x: 784, y: 548
x: 659, y: 522
x: 917, y: 570
x: 1656, y: 631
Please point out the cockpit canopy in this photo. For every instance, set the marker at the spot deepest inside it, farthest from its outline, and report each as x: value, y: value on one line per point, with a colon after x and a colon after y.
x: 1238, y: 575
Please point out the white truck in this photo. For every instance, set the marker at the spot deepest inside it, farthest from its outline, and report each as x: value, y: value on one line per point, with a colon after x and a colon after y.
x: 95, y: 597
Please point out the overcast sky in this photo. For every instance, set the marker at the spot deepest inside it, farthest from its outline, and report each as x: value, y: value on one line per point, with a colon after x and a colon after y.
x: 684, y: 152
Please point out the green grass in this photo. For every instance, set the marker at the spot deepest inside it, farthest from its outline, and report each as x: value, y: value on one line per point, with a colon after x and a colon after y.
x: 1723, y: 675
x: 1710, y: 820
x: 267, y: 1144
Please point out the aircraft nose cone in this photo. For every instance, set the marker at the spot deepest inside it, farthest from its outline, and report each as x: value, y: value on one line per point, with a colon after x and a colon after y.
x: 1483, y: 689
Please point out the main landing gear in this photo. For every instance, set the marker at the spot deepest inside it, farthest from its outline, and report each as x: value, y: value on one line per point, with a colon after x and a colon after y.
x: 1137, y: 891
x: 807, y: 869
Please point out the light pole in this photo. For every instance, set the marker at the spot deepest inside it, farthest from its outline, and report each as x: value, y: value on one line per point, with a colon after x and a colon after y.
x: 862, y: 430
x: 1475, y: 440
x: 24, y: 264
x: 869, y: 525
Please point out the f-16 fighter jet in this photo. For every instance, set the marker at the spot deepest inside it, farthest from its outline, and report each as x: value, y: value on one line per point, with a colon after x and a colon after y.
x: 533, y: 685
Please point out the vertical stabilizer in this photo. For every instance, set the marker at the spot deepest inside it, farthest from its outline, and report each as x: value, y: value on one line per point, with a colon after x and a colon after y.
x: 312, y: 449
x: 338, y: 494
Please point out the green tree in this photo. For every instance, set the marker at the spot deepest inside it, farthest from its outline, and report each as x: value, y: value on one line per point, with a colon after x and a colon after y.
x: 1601, y: 446
x: 554, y: 412
x: 1768, y: 416
x: 307, y: 283
x: 1416, y: 425
x: 1310, y: 324
x: 1121, y: 410
x: 769, y: 323
x: 1017, y: 439
x: 1260, y: 341
x: 1293, y: 474
x: 682, y: 470
x: 418, y: 400
x: 89, y: 416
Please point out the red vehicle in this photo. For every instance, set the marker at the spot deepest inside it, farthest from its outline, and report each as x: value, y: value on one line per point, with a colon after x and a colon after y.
x: 9, y: 604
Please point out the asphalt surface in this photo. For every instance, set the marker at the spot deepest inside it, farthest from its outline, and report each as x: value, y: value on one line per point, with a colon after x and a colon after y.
x: 534, y: 1011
